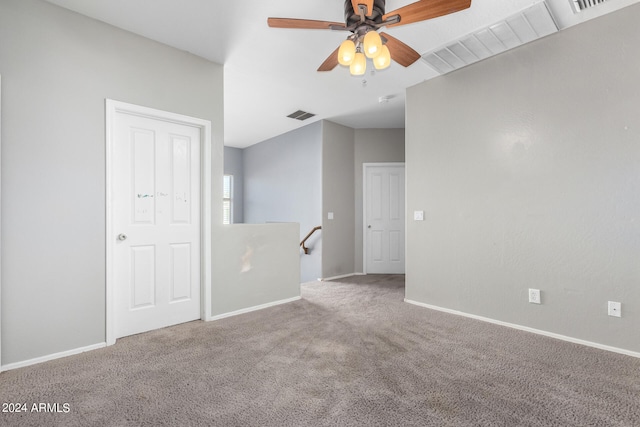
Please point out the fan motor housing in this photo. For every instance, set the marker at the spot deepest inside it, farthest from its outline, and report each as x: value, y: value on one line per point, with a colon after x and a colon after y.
x: 351, y: 16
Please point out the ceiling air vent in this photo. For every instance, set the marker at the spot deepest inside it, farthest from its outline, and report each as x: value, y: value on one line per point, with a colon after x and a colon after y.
x: 532, y: 23
x: 580, y: 5
x: 301, y: 115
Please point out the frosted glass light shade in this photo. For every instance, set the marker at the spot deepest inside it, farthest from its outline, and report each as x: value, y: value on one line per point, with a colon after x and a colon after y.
x: 359, y: 64
x: 383, y: 60
x: 372, y: 44
x: 347, y: 52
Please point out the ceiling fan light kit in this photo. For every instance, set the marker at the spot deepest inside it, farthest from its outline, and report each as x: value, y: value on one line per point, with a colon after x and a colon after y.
x: 383, y: 60
x: 359, y: 65
x: 363, y: 18
x: 355, y: 54
x: 372, y: 44
x: 347, y: 52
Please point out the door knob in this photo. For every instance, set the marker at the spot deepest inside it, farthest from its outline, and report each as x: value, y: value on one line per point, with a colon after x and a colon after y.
x: 122, y: 236
x: 368, y: 226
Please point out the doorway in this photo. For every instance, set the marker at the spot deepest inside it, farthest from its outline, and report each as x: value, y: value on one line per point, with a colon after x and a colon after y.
x: 158, y: 219
x: 384, y: 218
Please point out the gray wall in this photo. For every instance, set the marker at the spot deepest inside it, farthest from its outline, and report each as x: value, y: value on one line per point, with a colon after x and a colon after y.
x: 57, y: 69
x: 234, y: 165
x: 255, y: 264
x: 526, y: 166
x: 372, y: 146
x: 283, y: 183
x: 337, y: 197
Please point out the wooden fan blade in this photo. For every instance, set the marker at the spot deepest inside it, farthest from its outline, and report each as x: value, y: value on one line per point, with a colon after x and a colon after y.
x: 303, y: 24
x: 331, y: 62
x: 427, y: 9
x: 368, y: 3
x: 400, y: 52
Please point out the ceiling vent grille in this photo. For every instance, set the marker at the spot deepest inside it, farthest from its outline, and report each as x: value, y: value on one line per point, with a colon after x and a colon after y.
x: 532, y: 23
x: 301, y: 115
x: 580, y: 5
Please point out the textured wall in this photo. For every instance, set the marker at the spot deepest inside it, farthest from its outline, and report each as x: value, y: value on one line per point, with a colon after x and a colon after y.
x: 234, y: 165
x: 527, y: 167
x: 255, y: 264
x: 372, y: 146
x: 337, y: 197
x: 57, y: 69
x: 283, y: 183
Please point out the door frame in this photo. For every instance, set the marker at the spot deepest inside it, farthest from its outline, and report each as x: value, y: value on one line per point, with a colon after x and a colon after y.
x: 112, y: 108
x: 365, y: 167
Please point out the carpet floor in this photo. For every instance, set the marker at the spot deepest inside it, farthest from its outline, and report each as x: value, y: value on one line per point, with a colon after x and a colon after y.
x: 350, y: 353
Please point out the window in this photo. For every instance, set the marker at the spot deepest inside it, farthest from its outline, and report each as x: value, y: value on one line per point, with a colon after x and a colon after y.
x: 227, y: 200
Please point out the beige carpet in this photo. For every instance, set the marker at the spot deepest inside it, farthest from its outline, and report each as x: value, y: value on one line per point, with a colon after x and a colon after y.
x: 347, y: 354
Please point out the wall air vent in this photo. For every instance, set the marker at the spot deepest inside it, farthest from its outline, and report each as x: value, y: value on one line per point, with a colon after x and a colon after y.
x: 580, y: 5
x: 530, y: 24
x: 301, y: 115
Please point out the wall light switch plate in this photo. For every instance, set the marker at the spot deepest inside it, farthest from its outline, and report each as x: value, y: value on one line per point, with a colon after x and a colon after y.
x: 614, y: 309
x: 418, y: 215
x: 330, y: 215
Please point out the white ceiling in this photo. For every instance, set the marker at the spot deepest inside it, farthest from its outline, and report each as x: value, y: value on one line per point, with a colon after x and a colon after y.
x: 270, y: 72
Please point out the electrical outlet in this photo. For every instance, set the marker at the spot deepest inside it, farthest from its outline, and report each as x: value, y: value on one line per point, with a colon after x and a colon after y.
x: 614, y: 309
x: 534, y: 296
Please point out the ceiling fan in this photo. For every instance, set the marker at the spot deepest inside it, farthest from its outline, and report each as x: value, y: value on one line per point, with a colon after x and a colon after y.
x: 363, y: 19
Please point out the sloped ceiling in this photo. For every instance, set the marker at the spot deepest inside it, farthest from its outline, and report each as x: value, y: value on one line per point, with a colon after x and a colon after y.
x: 270, y: 73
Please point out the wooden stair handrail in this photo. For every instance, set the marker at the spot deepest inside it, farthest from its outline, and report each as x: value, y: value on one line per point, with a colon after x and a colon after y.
x: 306, y: 249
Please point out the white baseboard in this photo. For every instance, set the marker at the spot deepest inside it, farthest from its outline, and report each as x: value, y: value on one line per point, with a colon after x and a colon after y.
x: 49, y: 357
x: 255, y: 308
x: 342, y: 276
x: 528, y: 329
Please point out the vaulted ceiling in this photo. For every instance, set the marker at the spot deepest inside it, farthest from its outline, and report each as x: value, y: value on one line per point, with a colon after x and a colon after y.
x: 271, y: 72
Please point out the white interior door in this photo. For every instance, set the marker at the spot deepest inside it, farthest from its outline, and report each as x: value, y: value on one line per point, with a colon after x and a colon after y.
x: 156, y: 223
x: 384, y: 218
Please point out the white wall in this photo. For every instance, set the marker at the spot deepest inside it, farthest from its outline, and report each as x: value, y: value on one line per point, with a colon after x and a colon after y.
x: 527, y: 168
x: 372, y: 146
x: 57, y: 69
x: 283, y: 183
x: 337, y: 198
x: 254, y: 265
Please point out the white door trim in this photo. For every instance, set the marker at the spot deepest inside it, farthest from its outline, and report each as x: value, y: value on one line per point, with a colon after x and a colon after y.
x: 112, y: 108
x: 365, y: 167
